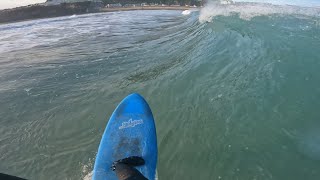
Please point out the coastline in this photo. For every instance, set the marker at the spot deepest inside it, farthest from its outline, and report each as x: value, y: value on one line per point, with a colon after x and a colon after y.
x: 103, y: 10
x: 146, y: 8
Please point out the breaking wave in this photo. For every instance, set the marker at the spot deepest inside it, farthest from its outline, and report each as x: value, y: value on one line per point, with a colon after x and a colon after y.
x: 249, y: 10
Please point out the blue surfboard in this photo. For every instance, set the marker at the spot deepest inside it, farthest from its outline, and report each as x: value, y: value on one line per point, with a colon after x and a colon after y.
x: 130, y: 132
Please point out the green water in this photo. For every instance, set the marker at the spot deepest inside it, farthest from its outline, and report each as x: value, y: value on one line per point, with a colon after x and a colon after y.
x: 232, y: 99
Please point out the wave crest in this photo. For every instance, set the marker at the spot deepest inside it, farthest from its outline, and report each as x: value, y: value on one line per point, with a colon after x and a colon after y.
x: 249, y: 10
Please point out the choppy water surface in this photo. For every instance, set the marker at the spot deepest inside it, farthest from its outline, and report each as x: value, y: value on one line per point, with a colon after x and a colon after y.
x: 235, y: 94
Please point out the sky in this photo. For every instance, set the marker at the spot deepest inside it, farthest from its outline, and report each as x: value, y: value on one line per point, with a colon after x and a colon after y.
x: 310, y: 3
x: 4, y: 4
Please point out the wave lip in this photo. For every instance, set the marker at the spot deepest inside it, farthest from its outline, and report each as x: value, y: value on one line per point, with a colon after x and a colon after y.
x: 247, y: 10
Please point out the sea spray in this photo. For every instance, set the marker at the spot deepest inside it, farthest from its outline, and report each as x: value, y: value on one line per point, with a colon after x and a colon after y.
x: 249, y: 10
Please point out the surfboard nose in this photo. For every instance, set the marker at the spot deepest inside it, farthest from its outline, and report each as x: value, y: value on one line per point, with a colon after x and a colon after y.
x: 133, y: 103
x: 135, y: 96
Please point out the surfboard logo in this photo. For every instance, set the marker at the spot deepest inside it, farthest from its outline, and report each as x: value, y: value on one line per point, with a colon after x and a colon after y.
x: 131, y: 123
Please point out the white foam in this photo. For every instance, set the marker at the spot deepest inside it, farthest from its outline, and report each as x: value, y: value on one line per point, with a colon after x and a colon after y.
x: 87, y: 170
x: 249, y: 10
x: 73, y: 16
x: 88, y: 176
x: 186, y: 12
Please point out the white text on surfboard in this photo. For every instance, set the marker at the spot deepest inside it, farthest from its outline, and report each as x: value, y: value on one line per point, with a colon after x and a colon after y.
x: 131, y: 123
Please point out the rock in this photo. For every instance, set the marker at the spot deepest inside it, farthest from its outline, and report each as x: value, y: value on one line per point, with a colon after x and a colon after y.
x: 46, y: 11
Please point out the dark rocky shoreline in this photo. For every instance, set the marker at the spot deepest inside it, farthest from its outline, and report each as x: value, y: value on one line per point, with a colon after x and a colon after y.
x: 39, y: 11
x: 43, y: 11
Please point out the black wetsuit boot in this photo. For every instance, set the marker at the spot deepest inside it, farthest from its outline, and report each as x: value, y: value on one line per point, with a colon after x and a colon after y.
x: 125, y: 170
x: 9, y: 177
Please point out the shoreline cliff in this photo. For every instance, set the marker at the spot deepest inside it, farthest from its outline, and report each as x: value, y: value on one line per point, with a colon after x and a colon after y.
x: 40, y: 11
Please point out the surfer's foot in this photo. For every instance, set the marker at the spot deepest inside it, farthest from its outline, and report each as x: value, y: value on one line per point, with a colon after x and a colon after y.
x: 131, y: 161
x: 125, y: 170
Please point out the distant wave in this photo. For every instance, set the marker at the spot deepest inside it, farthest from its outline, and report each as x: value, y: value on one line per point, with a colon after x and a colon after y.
x: 73, y: 16
x: 186, y: 12
x: 249, y: 10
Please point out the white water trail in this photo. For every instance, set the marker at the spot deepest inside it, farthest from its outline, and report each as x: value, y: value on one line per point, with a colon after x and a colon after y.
x: 249, y: 10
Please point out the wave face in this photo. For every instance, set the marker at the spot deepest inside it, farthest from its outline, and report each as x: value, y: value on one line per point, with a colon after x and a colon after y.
x: 234, y: 90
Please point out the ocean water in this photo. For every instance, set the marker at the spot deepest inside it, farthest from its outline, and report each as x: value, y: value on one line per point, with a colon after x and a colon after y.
x: 235, y: 90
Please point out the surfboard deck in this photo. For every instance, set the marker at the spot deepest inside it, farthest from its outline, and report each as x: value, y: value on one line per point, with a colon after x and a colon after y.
x: 130, y: 132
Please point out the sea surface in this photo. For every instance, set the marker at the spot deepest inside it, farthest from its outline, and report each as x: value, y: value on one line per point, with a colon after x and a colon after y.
x: 235, y: 90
